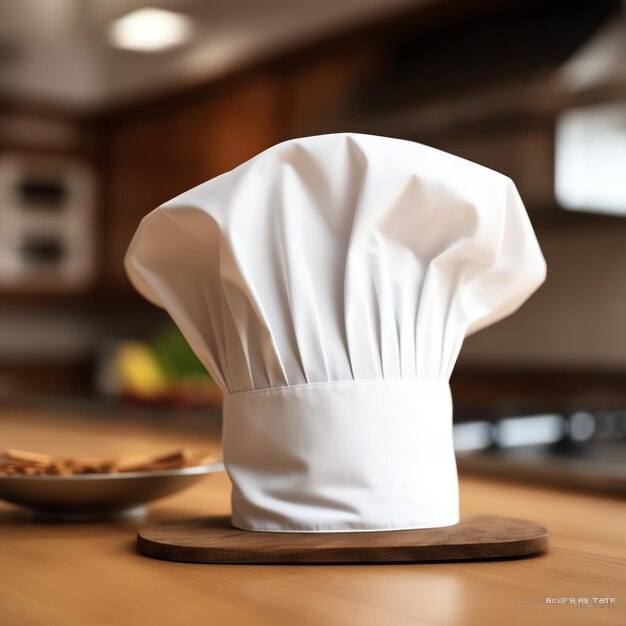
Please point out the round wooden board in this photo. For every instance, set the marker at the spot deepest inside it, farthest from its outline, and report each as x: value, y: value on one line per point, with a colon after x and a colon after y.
x: 214, y: 540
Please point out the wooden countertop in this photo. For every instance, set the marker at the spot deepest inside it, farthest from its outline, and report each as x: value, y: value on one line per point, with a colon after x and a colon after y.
x: 90, y: 574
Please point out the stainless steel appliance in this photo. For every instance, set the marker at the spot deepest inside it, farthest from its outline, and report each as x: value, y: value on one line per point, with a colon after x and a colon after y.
x: 46, y: 223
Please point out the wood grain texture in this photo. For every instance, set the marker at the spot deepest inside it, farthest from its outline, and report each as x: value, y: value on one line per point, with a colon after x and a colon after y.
x: 214, y: 540
x: 91, y: 574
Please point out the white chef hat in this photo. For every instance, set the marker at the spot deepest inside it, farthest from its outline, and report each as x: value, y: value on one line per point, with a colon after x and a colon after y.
x: 327, y: 285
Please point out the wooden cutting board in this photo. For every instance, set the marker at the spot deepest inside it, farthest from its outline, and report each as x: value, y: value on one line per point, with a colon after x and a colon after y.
x: 214, y: 540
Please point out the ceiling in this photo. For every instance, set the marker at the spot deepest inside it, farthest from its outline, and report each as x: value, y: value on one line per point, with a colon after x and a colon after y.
x: 57, y: 53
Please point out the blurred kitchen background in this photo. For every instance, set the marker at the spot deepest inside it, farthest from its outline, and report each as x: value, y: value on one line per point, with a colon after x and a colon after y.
x: 110, y: 107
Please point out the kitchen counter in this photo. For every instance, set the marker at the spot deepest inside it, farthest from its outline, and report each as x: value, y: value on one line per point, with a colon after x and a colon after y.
x: 91, y: 574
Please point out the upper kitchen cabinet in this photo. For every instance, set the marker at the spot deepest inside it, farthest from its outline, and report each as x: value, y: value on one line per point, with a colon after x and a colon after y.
x: 241, y: 118
x: 155, y: 151
x: 319, y: 86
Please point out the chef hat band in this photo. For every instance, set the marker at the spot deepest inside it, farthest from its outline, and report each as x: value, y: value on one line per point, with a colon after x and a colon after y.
x: 352, y: 455
x: 327, y: 285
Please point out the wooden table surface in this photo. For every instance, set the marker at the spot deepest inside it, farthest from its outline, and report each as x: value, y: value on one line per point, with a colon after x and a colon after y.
x: 90, y: 574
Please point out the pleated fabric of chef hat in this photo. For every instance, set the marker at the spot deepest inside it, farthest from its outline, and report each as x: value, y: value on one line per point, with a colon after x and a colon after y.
x: 327, y: 285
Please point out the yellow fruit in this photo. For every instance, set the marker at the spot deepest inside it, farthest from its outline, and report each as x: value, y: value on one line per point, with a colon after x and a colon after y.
x: 139, y: 371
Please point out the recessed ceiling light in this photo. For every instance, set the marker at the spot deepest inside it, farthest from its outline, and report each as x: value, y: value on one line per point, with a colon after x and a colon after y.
x: 150, y: 30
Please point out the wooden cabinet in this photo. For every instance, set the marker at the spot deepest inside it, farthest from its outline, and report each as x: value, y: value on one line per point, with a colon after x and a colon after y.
x: 238, y: 122
x: 318, y: 89
x: 153, y: 153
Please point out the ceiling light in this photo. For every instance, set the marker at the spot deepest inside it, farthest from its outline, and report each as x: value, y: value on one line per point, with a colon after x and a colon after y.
x: 150, y: 30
